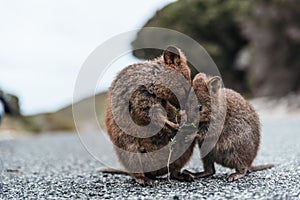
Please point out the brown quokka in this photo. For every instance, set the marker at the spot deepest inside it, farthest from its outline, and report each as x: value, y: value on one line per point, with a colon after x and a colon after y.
x: 141, y: 100
x: 230, y: 123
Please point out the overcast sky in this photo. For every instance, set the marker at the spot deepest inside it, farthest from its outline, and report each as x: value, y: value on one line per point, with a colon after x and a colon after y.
x: 44, y: 43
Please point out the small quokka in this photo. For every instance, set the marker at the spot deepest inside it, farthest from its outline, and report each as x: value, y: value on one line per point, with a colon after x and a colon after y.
x: 225, y: 117
x: 141, y: 94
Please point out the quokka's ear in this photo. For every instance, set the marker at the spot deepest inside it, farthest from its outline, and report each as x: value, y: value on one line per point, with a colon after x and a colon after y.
x: 214, y: 84
x: 172, y: 55
x: 199, y: 79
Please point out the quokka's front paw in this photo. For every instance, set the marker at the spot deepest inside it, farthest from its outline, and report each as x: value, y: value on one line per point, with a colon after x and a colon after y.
x: 176, y: 126
x: 172, y: 125
x: 191, y: 137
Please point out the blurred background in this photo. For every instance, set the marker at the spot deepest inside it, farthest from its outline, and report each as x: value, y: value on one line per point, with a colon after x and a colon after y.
x: 255, y: 44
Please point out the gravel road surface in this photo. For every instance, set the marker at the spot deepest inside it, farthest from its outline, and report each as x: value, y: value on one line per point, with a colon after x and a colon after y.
x: 56, y: 165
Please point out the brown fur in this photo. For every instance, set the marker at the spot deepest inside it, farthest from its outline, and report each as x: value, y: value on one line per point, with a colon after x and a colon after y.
x: 144, y: 97
x: 233, y: 120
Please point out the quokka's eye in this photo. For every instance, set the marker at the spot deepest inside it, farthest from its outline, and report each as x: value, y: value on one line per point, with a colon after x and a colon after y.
x: 198, y: 108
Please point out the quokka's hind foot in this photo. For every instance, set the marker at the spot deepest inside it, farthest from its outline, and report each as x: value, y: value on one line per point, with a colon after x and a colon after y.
x: 242, y: 172
x: 143, y: 180
x: 181, y: 176
x: 209, y: 169
x: 238, y: 174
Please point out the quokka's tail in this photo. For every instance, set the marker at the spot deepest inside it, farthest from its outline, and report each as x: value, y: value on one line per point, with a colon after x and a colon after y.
x: 112, y: 171
x: 260, y: 167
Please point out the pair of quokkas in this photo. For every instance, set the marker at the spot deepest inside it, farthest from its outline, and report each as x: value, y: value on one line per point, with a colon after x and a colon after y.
x: 154, y: 122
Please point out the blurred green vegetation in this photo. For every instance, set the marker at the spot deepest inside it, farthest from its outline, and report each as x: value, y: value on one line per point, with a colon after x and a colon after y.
x: 242, y: 38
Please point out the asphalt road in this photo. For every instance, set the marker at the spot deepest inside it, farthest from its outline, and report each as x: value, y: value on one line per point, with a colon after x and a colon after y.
x: 58, y: 166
